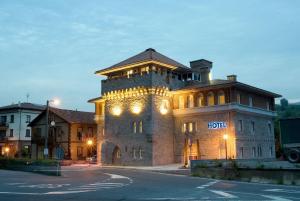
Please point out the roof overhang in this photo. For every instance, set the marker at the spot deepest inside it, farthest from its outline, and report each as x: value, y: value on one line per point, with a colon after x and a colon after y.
x: 96, y: 100
x: 119, y: 68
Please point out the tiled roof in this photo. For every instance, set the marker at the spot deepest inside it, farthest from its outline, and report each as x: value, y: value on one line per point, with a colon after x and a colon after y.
x: 73, y: 116
x: 28, y: 106
x: 147, y: 55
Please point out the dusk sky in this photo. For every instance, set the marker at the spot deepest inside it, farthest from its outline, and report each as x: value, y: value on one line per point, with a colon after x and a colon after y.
x: 52, y: 48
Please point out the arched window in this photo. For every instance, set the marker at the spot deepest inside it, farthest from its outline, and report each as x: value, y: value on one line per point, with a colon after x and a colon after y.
x: 140, y: 126
x: 181, y: 102
x: 221, y: 98
x: 134, y: 127
x: 190, y: 101
x: 200, y: 100
x: 210, y: 99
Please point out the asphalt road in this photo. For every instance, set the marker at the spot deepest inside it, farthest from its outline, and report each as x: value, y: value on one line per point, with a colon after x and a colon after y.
x: 105, y: 184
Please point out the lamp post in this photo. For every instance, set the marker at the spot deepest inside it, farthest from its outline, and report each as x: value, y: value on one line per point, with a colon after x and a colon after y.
x: 55, y: 102
x: 225, y: 137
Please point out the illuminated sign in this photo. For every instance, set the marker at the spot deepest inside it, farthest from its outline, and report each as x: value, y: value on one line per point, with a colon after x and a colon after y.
x: 217, y: 125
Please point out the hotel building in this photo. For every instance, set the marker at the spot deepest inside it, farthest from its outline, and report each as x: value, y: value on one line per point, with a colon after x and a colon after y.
x: 154, y: 110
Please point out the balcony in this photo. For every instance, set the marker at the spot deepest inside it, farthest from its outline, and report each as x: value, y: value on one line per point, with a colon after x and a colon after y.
x: 225, y: 107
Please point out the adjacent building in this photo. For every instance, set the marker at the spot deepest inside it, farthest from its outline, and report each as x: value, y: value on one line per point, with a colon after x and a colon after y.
x: 72, y: 134
x: 15, y: 134
x: 154, y: 110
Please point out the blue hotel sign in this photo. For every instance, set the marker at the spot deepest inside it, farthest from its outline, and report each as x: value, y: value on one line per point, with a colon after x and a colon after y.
x: 217, y: 125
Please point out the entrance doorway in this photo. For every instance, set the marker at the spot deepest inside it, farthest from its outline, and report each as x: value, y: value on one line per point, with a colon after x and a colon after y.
x: 116, y: 156
x: 191, y: 151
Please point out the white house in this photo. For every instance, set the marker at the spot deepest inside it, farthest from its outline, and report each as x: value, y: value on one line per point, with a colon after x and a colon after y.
x: 15, y: 135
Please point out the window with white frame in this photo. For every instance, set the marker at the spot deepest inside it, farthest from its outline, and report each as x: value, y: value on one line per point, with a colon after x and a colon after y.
x: 269, y: 128
x: 259, y: 151
x: 268, y: 105
x: 191, y: 127
x: 271, y: 151
x: 141, y: 153
x: 28, y: 118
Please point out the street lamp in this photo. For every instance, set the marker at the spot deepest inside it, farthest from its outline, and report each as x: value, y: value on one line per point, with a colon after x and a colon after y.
x: 6, y: 150
x: 225, y: 137
x: 55, y: 102
x: 90, y: 143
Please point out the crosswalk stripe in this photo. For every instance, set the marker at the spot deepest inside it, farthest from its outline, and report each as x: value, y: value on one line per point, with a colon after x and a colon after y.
x: 276, y: 198
x: 224, y: 194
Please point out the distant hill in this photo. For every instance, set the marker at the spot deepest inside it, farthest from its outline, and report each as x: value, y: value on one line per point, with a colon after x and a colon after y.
x: 298, y: 103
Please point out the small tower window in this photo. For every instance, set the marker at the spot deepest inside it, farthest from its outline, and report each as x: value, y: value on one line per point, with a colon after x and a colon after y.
x: 210, y: 99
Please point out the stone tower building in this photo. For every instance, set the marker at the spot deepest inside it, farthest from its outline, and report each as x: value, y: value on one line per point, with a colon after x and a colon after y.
x: 154, y: 110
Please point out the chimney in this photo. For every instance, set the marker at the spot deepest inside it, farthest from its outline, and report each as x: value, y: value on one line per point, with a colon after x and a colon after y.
x: 202, y: 67
x: 231, y: 78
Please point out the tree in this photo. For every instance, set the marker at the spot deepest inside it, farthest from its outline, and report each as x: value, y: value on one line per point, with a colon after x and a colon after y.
x: 284, y: 103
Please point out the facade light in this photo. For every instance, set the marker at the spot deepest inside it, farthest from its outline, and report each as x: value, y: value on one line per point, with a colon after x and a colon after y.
x: 164, y: 107
x: 89, y: 142
x: 6, y: 149
x: 116, y: 110
x: 136, y: 109
x: 225, y: 136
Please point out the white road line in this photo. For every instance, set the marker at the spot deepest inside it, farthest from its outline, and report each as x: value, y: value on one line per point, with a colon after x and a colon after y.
x: 281, y: 190
x: 276, y: 198
x: 168, y: 198
x: 224, y: 194
x: 208, y: 184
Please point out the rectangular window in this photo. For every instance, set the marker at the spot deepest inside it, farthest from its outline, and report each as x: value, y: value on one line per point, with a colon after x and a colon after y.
x: 238, y: 98
x: 27, y: 133
x: 250, y: 101
x: 28, y: 118
x: 259, y: 151
x: 90, y: 132
x: 271, y: 151
x: 253, y: 152
x: 11, y: 132
x: 270, y: 128
x: 191, y: 127
x: 240, y: 125
x: 141, y: 153
x: 141, y: 127
x: 241, y: 152
x: 12, y: 118
x: 252, y: 127
x: 79, y: 152
x: 133, y: 153
x: 79, y: 133
x: 268, y: 105
x: 3, y: 119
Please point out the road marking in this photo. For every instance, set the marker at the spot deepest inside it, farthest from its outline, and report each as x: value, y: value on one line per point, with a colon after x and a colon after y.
x: 276, y: 198
x: 281, y: 190
x: 224, y: 194
x: 12, y: 184
x: 50, y: 186
x: 168, y: 198
x: 208, y: 184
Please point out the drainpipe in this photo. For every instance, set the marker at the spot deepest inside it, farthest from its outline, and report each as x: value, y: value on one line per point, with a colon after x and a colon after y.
x: 19, y: 140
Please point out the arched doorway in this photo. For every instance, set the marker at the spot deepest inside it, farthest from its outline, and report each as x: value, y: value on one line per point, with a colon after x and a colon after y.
x: 116, y: 156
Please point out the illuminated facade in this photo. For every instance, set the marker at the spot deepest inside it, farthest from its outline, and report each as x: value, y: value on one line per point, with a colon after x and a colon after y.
x: 154, y: 110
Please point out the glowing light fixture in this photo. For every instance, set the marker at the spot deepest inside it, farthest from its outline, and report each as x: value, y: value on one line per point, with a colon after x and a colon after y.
x: 116, y: 110
x: 89, y: 142
x: 6, y: 149
x: 136, y: 109
x: 164, y: 107
x: 225, y: 136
